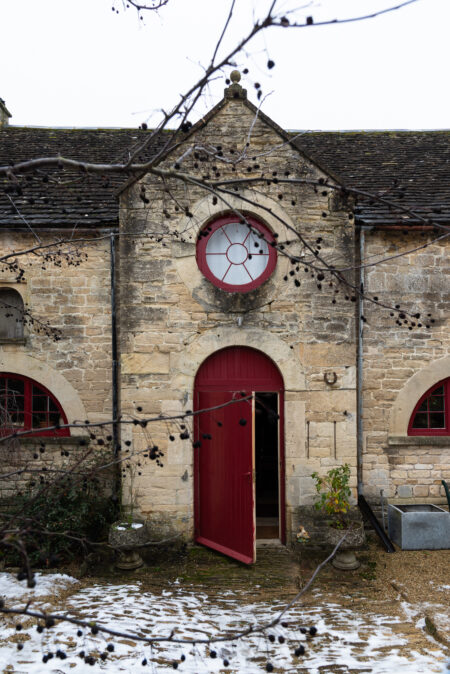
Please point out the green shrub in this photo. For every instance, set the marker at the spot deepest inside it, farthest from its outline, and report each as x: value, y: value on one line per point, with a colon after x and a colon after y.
x: 69, y: 507
x: 334, y: 493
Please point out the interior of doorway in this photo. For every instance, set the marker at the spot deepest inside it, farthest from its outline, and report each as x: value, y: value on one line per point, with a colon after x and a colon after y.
x: 267, y: 491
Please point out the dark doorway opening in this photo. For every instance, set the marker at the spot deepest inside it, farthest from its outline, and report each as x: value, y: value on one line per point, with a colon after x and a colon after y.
x: 266, y: 466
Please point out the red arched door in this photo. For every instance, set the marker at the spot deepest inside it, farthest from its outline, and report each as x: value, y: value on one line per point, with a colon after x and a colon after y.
x: 238, y: 452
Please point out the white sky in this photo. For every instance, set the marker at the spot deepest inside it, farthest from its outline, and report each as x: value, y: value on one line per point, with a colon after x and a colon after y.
x: 77, y: 63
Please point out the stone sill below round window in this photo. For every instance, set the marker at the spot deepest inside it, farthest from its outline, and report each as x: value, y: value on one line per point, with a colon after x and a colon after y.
x: 419, y: 440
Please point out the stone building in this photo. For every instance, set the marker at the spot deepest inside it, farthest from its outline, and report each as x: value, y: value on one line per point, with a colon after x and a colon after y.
x: 178, y: 299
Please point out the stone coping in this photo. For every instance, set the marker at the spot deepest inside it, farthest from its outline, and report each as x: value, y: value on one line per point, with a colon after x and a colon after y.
x: 429, y: 500
x: 419, y: 440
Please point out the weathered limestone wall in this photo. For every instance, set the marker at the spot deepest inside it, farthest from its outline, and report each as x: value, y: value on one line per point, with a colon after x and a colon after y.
x: 172, y: 318
x: 400, y: 365
x: 75, y: 300
x: 33, y: 462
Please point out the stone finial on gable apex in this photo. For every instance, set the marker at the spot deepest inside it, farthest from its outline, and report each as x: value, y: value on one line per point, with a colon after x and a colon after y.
x: 235, y: 90
x: 4, y: 114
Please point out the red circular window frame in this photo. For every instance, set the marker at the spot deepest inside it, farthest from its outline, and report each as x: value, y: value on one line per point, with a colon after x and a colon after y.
x: 202, y: 242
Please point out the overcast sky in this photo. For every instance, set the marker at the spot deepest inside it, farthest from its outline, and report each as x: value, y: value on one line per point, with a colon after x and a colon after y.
x: 78, y: 63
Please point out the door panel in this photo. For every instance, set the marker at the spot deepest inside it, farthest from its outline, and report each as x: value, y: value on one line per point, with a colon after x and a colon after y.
x: 223, y: 464
x: 224, y: 498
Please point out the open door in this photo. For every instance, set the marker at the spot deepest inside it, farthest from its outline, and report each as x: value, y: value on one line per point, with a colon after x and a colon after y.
x: 224, y: 470
x: 224, y: 449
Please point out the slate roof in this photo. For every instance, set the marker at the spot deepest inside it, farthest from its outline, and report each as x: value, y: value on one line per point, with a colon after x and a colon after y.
x: 413, y: 163
x: 417, y: 162
x: 86, y: 201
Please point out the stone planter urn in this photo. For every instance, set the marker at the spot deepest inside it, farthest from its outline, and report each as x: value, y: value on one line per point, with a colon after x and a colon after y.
x: 126, y: 538
x: 345, y: 557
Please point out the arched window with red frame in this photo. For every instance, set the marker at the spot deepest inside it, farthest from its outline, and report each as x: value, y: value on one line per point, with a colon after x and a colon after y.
x: 236, y: 256
x: 26, y: 405
x: 431, y: 415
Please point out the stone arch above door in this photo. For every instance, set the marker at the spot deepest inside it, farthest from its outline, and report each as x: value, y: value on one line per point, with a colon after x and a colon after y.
x: 56, y: 383
x: 285, y: 357
x: 412, y: 391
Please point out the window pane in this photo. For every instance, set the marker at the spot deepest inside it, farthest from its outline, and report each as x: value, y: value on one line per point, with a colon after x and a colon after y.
x: 13, y: 410
x: 55, y: 418
x: 40, y: 403
x: 257, y: 264
x: 218, y: 264
x: 218, y: 242
x: 420, y: 420
x: 237, y: 275
x: 424, y: 405
x: 4, y: 415
x: 437, y: 420
x: 16, y: 386
x: 15, y: 418
x: 15, y: 403
x: 39, y: 420
x: 235, y: 232
x: 2, y: 384
x: 439, y: 391
x: 257, y: 245
x: 11, y: 314
x: 436, y: 403
x: 53, y: 407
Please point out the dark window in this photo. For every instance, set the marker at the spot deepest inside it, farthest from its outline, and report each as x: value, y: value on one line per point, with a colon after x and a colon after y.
x: 11, y: 314
x: 431, y: 415
x: 26, y: 405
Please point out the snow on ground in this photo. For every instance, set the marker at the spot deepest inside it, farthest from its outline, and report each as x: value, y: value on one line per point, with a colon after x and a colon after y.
x: 46, y: 584
x: 349, y: 640
x: 440, y: 588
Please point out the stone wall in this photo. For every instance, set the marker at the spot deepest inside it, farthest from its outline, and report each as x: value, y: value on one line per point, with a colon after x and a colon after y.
x: 401, y: 364
x: 74, y: 299
x: 172, y: 318
x: 33, y: 462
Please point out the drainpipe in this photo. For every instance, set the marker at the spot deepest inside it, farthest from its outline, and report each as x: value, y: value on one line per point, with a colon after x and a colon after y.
x: 115, y: 363
x: 359, y: 366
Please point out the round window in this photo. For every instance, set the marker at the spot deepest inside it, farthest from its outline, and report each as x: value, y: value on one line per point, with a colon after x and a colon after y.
x: 235, y: 256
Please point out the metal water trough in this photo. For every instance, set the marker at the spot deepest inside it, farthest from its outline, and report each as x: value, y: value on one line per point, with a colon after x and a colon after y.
x: 419, y: 527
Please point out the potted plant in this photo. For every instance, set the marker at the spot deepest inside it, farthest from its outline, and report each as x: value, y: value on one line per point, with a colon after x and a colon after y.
x: 333, y: 499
